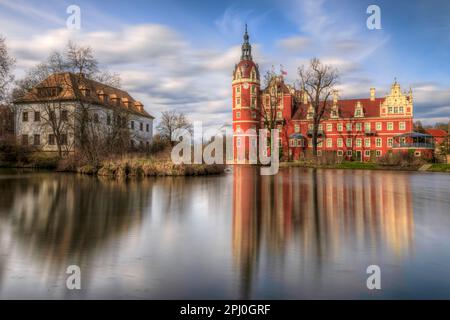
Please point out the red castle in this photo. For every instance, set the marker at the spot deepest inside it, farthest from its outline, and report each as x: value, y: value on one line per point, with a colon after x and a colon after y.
x: 355, y: 129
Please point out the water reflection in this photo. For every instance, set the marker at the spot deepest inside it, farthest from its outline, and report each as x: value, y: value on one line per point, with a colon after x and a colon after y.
x: 325, y: 215
x: 300, y: 234
x: 55, y: 220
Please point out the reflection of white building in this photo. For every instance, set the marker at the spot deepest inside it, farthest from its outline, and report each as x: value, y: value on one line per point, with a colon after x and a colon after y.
x: 57, y: 102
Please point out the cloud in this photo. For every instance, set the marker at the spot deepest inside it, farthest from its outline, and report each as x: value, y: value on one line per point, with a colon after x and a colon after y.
x: 294, y: 44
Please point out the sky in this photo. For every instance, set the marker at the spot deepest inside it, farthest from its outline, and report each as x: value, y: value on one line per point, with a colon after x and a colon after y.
x: 180, y: 54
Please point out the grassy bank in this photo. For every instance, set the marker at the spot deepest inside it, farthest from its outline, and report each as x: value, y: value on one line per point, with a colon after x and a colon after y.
x: 125, y: 166
x: 366, y: 166
x: 439, y: 167
x: 147, y: 167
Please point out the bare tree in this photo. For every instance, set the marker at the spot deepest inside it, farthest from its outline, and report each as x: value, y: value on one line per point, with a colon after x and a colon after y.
x: 72, y: 71
x: 317, y: 81
x: 6, y: 64
x: 171, y: 121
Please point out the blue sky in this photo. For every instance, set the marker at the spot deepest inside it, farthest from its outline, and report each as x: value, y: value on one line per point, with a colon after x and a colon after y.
x: 176, y: 54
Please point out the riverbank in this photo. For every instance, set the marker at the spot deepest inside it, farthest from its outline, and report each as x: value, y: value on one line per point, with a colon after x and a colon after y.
x: 118, y: 167
x: 147, y: 167
x: 437, y: 167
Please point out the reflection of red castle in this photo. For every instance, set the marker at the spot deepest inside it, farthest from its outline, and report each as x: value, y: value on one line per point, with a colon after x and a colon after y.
x: 360, y: 129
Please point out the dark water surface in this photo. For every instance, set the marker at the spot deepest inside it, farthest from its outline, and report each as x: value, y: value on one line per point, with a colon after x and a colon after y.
x: 299, y: 234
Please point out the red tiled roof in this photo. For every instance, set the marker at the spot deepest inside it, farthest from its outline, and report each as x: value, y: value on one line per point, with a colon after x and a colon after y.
x: 346, y: 108
x: 439, y: 133
x: 246, y: 67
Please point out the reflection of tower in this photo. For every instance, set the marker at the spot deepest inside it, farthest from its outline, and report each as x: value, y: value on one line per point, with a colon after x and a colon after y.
x: 245, y: 224
x: 246, y: 86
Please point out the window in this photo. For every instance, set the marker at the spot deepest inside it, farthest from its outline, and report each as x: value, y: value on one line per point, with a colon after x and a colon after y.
x: 378, y: 142
x: 320, y: 128
x: 378, y: 153
x: 401, y: 126
x: 52, y: 115
x: 367, y: 142
x: 390, y: 142
x: 37, y: 139
x: 297, y: 128
x: 349, y: 153
x: 395, y: 109
x: 238, y: 101
x: 319, y: 153
x: 49, y: 91
x: 238, y: 142
x: 238, y: 114
x: 96, y: 117
x: 348, y: 126
x: 359, y: 126
x: 279, y: 115
x: 400, y: 109
x: 132, y: 124
x: 367, y: 127
x: 238, y: 89
x: 147, y: 127
x: 253, y: 102
x: 329, y: 127
x: 292, y: 142
x: 339, y: 142
x: 253, y: 115
x: 24, y: 116
x: 379, y: 126
x: 51, y: 139
x: 329, y: 142
x: 390, y: 126
x: 108, y: 119
x: 238, y: 128
x: 348, y: 142
x: 63, y: 115
x: 339, y: 153
x: 358, y: 113
x: 390, y: 110
x: 63, y: 139
x: 25, y: 139
x: 141, y: 126
x: 359, y: 143
x: 367, y: 153
x: 37, y: 116
x: 339, y: 127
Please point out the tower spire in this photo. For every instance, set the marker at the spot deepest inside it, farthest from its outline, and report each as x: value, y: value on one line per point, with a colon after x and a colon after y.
x: 246, y: 47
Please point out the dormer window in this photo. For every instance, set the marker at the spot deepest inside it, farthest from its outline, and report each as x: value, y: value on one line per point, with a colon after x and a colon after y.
x: 334, y: 113
x: 48, y: 92
x: 359, y: 110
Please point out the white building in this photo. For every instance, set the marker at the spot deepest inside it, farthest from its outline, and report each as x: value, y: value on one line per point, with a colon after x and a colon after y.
x: 57, y: 104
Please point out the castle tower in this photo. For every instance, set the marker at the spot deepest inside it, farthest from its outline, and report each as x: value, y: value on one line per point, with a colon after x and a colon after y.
x: 245, y: 104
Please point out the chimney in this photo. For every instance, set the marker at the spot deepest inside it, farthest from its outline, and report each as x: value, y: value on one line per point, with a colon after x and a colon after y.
x: 305, y: 98
x: 372, y: 94
x: 335, y: 96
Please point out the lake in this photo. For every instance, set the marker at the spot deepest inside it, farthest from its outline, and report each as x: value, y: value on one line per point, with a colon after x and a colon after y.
x: 302, y: 234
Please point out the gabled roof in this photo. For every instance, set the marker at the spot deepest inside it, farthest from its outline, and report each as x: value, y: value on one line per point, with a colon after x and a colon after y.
x: 70, y: 88
x: 371, y: 108
x: 437, y: 133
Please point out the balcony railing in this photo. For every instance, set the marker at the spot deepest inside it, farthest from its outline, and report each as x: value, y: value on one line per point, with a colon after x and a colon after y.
x: 423, y: 145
